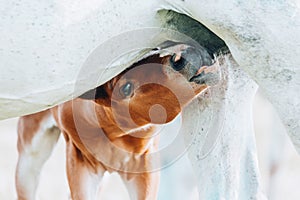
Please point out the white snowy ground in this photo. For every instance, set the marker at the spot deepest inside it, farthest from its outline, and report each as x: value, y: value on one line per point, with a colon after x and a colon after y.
x: 279, y: 164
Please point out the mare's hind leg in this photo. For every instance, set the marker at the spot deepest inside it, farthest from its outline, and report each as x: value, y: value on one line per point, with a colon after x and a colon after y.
x: 37, y: 135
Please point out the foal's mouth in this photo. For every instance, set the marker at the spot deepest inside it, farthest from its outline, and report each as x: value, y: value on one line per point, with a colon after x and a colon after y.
x: 209, y: 75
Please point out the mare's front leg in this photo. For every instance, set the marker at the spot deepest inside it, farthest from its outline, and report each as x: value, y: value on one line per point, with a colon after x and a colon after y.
x: 84, y: 179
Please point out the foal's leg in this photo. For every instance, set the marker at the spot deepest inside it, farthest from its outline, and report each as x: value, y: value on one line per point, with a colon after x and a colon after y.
x: 142, y: 186
x: 37, y: 135
x: 84, y: 179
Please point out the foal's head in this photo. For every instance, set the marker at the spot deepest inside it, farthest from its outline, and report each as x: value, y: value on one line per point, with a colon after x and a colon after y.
x: 154, y: 90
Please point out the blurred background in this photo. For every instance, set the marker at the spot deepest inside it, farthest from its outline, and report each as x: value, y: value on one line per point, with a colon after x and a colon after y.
x: 278, y: 161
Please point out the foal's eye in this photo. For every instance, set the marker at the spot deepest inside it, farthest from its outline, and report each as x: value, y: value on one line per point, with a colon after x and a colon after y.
x: 127, y: 89
x: 177, y: 63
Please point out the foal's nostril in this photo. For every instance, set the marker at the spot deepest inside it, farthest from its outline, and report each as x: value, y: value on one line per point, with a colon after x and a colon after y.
x: 177, y: 64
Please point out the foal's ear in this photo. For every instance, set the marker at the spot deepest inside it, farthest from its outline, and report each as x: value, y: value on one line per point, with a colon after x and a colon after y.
x: 96, y: 93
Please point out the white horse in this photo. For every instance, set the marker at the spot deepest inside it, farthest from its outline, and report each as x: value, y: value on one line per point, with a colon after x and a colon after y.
x: 44, y: 45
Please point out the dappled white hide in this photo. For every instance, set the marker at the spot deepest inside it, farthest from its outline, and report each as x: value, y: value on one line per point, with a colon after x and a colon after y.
x: 223, y: 149
x: 45, y: 43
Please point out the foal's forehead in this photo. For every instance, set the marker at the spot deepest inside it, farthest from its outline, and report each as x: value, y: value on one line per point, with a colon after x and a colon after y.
x: 145, y: 67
